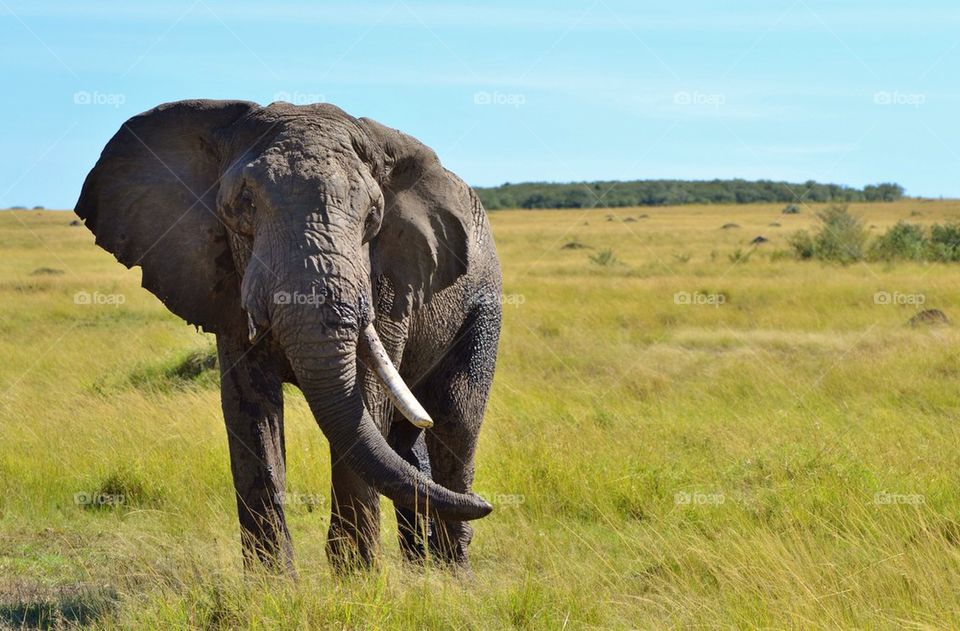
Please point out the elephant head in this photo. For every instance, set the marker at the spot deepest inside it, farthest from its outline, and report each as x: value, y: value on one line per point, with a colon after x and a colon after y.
x: 281, y: 220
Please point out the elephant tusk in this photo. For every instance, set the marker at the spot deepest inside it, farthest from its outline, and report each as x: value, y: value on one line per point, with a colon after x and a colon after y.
x: 377, y: 360
x: 253, y: 332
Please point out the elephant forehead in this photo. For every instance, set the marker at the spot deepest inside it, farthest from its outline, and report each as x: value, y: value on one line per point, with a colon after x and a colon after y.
x: 290, y: 165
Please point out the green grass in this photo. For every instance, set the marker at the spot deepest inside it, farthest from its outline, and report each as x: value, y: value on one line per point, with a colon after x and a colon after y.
x: 777, y: 449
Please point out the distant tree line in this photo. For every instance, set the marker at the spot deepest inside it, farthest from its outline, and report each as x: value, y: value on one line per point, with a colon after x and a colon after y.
x: 614, y: 194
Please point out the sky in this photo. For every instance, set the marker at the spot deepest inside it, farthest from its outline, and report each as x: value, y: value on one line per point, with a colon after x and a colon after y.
x: 847, y: 91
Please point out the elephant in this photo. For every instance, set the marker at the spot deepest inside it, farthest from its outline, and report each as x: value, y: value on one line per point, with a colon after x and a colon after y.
x: 335, y: 254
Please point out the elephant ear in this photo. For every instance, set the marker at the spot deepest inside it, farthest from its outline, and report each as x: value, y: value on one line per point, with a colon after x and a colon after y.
x: 151, y: 201
x: 422, y: 246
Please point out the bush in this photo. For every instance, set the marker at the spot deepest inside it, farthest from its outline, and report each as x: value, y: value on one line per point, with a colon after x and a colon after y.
x: 841, y: 238
x: 802, y: 244
x: 945, y: 243
x: 604, y: 258
x: 791, y: 209
x: 903, y: 242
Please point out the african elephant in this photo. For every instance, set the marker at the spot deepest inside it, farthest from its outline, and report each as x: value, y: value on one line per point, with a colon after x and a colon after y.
x: 336, y: 254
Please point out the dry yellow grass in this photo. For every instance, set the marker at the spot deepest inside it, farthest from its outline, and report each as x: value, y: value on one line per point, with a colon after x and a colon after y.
x: 780, y: 452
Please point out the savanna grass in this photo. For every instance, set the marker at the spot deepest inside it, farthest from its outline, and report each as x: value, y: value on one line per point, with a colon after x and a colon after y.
x: 705, y: 434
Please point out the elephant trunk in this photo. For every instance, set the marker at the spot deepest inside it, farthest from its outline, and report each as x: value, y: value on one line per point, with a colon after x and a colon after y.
x: 321, y: 343
x: 335, y: 400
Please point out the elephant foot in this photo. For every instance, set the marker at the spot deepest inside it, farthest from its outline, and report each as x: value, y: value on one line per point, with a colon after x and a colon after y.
x: 348, y: 553
x: 268, y: 555
x: 448, y: 546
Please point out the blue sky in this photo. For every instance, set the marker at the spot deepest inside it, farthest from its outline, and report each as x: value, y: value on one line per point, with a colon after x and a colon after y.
x: 851, y: 91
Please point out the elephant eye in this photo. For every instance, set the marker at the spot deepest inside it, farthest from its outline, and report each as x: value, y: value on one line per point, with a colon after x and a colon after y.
x: 372, y: 223
x: 247, y: 198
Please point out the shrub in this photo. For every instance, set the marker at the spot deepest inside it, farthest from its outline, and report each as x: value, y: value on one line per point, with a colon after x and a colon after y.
x: 904, y: 242
x: 791, y: 209
x: 802, y: 244
x: 842, y: 237
x: 604, y: 258
x: 945, y: 243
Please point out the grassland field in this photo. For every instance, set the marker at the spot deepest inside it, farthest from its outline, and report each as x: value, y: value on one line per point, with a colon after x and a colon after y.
x: 698, y: 433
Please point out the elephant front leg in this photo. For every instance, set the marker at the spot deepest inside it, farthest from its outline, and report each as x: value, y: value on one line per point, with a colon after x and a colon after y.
x: 455, y: 394
x: 252, y: 399
x: 414, y: 529
x: 353, y: 540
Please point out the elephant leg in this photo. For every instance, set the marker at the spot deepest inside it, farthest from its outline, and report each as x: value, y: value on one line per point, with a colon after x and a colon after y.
x: 353, y: 540
x: 252, y: 399
x: 456, y: 395
x: 413, y: 528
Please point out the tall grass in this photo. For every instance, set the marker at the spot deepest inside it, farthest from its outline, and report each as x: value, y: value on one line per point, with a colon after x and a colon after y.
x: 784, y: 457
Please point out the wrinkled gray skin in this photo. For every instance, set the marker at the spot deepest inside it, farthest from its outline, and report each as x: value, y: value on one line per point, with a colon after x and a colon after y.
x: 313, y: 223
